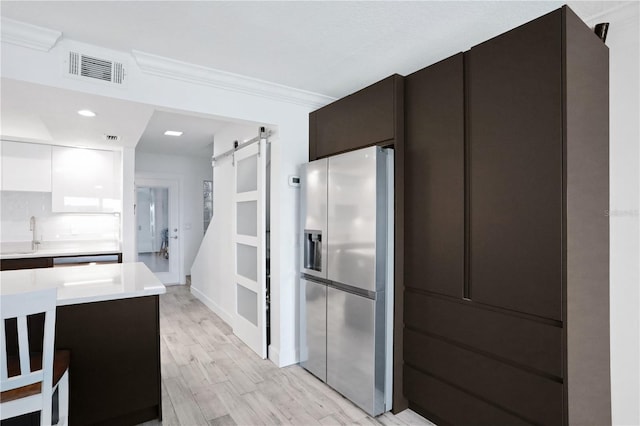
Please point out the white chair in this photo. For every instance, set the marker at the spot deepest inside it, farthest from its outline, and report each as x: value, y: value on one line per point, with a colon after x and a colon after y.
x: 28, y: 381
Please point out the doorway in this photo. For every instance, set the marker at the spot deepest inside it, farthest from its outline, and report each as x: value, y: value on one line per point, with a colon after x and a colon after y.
x: 157, y: 225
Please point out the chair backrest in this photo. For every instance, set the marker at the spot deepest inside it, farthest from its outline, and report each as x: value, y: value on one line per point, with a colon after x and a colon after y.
x: 20, y: 306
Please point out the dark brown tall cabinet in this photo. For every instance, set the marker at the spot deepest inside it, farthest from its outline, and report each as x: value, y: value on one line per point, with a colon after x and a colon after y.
x: 370, y: 116
x: 506, y: 307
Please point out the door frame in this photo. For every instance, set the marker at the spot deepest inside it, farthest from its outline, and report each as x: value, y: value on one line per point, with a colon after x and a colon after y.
x: 151, y: 179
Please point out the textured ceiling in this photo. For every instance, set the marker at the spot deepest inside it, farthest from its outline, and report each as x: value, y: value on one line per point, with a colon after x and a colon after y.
x: 332, y: 48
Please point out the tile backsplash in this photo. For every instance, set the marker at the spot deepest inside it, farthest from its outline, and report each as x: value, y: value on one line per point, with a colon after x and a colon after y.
x: 16, y: 209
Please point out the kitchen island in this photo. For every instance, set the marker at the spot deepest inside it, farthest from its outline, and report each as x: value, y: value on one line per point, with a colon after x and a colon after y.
x: 108, y: 316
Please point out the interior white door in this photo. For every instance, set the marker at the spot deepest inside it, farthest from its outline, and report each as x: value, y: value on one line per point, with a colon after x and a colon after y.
x: 249, y: 246
x: 157, y: 220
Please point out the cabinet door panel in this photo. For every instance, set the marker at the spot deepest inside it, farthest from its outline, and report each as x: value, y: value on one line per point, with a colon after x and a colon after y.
x: 26, y: 167
x: 515, y: 158
x: 448, y: 405
x: 358, y: 120
x: 517, y: 341
x: 434, y: 178
x: 86, y: 180
x: 527, y: 394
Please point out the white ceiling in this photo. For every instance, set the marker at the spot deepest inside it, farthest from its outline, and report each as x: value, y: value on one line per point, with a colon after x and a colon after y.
x: 35, y: 113
x: 327, y: 47
x: 195, y: 141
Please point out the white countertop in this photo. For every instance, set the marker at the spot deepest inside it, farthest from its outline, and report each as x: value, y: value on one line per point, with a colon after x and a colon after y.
x: 85, y: 283
x: 20, y: 250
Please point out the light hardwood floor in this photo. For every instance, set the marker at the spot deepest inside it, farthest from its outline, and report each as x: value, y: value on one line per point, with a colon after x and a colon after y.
x: 209, y: 377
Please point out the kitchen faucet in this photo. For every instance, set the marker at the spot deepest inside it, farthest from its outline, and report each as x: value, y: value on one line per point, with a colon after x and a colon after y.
x: 32, y: 228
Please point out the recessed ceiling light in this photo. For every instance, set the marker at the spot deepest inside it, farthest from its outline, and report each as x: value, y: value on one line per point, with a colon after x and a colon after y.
x: 173, y: 133
x: 86, y: 113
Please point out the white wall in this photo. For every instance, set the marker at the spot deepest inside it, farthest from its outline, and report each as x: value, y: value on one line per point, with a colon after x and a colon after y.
x: 286, y: 159
x: 624, y: 160
x: 191, y: 171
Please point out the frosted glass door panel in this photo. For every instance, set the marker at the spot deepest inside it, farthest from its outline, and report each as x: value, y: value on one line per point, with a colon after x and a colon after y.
x: 247, y: 304
x: 247, y: 218
x: 247, y: 174
x: 250, y: 315
x: 247, y: 261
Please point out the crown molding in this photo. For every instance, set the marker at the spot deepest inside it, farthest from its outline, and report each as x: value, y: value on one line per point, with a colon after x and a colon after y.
x: 27, y: 35
x: 178, y: 70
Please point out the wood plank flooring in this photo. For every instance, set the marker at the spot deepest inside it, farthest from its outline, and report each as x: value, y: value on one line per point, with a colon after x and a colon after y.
x: 211, y: 378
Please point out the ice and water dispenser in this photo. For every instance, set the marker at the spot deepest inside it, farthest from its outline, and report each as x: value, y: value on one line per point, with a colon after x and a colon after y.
x: 313, y: 250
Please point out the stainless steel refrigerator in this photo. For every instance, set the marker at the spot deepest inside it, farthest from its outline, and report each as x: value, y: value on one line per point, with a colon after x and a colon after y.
x: 346, y: 282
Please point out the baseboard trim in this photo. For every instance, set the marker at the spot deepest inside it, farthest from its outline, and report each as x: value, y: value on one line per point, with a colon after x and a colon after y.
x: 274, y: 355
x: 288, y: 358
x: 226, y: 317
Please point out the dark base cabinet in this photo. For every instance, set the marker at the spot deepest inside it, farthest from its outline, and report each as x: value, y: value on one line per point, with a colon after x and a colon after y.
x: 114, y: 374
x: 26, y: 263
x: 50, y: 262
x: 506, y: 304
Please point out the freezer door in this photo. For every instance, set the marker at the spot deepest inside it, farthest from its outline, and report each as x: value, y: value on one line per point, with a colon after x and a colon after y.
x: 313, y: 214
x: 357, y: 218
x: 355, y: 348
x: 313, y: 328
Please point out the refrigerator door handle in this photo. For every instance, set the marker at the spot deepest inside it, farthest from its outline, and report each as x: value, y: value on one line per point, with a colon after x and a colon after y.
x: 353, y: 290
x: 343, y: 287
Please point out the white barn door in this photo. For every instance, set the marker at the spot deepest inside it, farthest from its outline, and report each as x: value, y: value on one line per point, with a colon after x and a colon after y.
x: 250, y: 323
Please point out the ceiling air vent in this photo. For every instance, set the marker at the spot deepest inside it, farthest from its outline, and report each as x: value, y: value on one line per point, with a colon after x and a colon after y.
x: 86, y: 66
x: 111, y: 138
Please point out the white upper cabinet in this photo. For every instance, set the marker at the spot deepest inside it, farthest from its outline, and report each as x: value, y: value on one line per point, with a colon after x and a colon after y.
x: 86, y: 180
x: 26, y: 167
